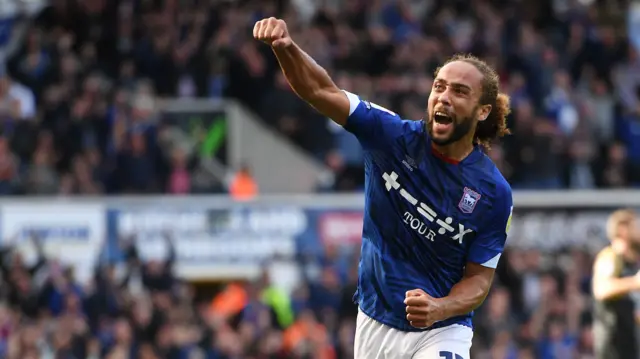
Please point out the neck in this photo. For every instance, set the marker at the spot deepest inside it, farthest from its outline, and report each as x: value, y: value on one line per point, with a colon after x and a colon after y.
x: 456, y: 152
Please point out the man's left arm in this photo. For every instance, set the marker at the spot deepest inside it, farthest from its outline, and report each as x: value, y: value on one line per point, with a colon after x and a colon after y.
x: 468, y: 294
x: 482, y: 260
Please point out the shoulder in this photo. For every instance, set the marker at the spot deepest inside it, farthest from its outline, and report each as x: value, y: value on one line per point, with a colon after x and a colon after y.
x: 362, y: 107
x: 18, y: 89
x: 493, y: 182
x: 607, y: 253
x: 372, y: 122
x: 357, y: 105
x: 503, y: 188
x: 607, y: 263
x: 495, y: 195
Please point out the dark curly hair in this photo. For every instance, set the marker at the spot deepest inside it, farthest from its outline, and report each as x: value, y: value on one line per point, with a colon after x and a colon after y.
x: 495, y: 125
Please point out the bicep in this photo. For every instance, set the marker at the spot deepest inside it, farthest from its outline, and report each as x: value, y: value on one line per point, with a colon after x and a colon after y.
x: 487, y: 248
x: 604, y: 268
x: 605, y: 283
x: 483, y: 274
x: 487, y: 253
x: 332, y: 103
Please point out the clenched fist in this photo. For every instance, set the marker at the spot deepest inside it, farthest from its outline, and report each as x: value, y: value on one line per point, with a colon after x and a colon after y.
x: 272, y: 32
x: 422, y: 309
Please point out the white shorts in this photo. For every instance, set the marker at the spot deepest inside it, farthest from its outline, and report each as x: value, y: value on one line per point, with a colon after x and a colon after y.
x: 375, y: 340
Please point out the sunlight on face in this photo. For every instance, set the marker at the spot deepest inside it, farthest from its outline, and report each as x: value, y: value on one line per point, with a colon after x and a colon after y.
x: 453, y: 102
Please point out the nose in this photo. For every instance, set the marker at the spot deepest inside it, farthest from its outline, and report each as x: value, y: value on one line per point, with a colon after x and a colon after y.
x: 444, y: 98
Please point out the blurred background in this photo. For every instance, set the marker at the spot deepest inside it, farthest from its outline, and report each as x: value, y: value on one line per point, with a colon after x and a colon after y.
x: 168, y: 196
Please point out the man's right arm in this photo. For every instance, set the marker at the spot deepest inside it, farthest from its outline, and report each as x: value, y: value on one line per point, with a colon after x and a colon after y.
x: 374, y: 126
x: 606, y: 284
x: 312, y: 83
x: 308, y: 79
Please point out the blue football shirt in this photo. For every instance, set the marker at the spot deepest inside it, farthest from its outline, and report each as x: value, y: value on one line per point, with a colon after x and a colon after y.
x: 425, y: 216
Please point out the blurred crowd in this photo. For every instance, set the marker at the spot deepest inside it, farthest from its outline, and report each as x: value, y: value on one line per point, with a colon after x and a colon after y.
x: 93, y: 71
x: 539, y: 308
x: 78, y: 100
x: 569, y: 67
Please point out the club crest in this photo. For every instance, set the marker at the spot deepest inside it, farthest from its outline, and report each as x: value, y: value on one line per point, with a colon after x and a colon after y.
x: 469, y: 200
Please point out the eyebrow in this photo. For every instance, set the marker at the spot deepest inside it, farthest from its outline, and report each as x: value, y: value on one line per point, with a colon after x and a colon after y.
x: 454, y: 84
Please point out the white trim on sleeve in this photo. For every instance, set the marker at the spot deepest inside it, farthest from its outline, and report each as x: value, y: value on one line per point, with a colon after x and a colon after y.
x: 354, y: 101
x: 493, y: 262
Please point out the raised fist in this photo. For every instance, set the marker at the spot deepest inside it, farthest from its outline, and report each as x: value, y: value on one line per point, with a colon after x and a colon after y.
x: 272, y: 32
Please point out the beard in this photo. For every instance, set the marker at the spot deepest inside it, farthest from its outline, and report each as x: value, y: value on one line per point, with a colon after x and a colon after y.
x: 459, y: 129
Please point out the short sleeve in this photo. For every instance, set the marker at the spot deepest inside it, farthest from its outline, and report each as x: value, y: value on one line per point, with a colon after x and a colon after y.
x: 488, y: 246
x: 373, y: 125
x: 606, y: 264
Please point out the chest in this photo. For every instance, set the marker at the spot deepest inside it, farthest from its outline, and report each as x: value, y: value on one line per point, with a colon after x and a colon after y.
x: 439, y: 203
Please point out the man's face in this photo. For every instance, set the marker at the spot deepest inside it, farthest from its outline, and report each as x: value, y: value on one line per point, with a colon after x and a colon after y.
x: 454, y: 107
x: 634, y: 235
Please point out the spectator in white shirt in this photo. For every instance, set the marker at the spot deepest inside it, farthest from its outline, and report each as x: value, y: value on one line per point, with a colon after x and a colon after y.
x: 16, y: 100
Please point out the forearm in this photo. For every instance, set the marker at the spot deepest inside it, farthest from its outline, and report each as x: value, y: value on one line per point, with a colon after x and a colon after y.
x: 304, y: 75
x: 465, y: 296
x: 608, y: 288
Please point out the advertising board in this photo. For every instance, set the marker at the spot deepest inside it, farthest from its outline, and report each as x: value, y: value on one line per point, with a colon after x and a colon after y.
x: 216, y: 238
x: 71, y: 233
x: 212, y: 243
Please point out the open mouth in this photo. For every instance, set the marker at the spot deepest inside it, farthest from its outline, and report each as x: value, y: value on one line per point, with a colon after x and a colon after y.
x: 442, y: 118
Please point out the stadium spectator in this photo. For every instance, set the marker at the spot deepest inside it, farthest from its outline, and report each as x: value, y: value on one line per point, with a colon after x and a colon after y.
x: 569, y: 69
x: 242, y: 185
x: 538, y: 308
x: 78, y: 116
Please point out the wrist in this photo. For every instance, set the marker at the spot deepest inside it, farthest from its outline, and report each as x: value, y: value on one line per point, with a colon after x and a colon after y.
x: 446, y: 305
x: 282, y: 47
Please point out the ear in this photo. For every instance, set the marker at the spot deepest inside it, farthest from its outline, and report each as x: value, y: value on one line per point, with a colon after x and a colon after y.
x: 484, y: 110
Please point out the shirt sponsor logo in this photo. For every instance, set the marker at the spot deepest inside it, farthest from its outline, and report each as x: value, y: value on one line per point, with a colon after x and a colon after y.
x: 456, y: 231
